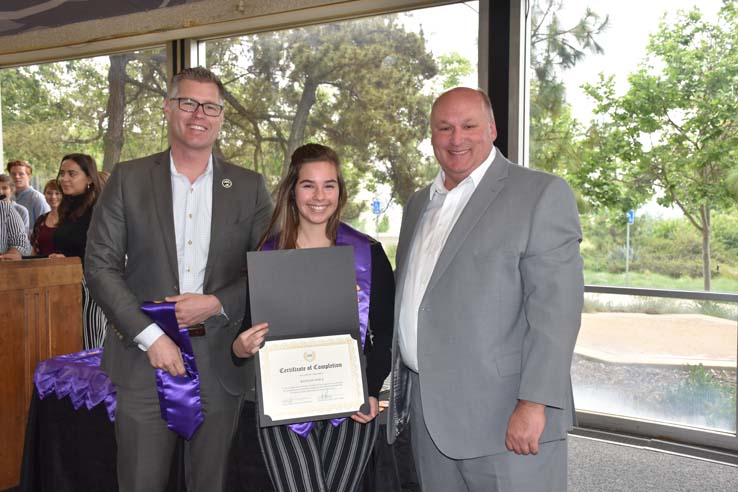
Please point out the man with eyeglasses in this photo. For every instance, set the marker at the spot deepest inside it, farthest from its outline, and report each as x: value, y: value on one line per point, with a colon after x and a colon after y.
x: 176, y: 226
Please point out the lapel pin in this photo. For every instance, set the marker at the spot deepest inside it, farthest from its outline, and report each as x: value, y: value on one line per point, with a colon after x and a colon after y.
x: 227, y: 183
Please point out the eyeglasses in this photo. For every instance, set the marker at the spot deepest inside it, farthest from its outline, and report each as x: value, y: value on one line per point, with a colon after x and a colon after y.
x: 190, y: 106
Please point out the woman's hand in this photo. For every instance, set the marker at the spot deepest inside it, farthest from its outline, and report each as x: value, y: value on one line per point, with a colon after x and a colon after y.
x: 11, y: 255
x: 56, y: 255
x: 249, y: 342
x: 363, y: 418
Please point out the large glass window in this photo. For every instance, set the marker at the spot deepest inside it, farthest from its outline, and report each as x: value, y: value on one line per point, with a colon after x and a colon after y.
x: 106, y: 106
x: 361, y: 86
x: 660, y: 359
x: 635, y: 107
x: 637, y: 110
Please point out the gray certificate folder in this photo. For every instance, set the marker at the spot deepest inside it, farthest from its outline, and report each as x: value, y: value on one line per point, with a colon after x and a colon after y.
x: 304, y: 293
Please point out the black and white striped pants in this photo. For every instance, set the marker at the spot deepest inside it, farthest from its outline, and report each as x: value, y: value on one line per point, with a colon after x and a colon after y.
x: 94, y: 322
x: 329, y: 459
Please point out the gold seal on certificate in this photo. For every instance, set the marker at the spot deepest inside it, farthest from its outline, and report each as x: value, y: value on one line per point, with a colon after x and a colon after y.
x: 312, y: 376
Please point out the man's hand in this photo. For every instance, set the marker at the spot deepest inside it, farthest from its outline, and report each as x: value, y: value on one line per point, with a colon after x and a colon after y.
x: 249, y: 342
x: 56, y: 255
x: 525, y: 427
x: 164, y: 354
x: 363, y: 418
x: 192, y: 309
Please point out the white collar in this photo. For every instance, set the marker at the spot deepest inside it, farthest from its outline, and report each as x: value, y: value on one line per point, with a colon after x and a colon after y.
x: 173, y: 169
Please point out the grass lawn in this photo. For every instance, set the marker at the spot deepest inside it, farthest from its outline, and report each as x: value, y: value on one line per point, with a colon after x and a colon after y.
x: 656, y: 281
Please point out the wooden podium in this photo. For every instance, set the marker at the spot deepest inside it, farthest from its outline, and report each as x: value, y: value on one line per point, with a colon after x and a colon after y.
x: 40, y: 317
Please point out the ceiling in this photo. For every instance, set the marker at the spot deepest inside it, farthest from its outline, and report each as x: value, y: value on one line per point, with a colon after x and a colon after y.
x: 18, y: 16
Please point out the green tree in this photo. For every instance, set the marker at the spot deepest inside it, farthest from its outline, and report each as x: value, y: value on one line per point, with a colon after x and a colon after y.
x: 50, y: 110
x: 109, y: 108
x: 134, y: 124
x: 452, y: 68
x: 674, y: 134
x: 358, y: 86
x: 555, y: 48
x: 355, y: 85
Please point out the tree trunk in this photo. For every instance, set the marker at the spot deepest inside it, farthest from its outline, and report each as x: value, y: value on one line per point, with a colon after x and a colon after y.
x: 706, y: 229
x: 115, y: 111
x: 297, y: 132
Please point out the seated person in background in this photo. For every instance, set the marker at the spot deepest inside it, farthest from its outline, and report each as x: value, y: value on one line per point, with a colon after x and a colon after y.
x: 7, y: 191
x: 327, y: 455
x: 34, y: 201
x: 80, y: 187
x: 43, y: 231
x: 13, y: 238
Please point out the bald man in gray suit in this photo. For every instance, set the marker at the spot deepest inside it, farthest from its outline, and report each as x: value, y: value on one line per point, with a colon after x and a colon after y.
x: 176, y: 226
x: 489, y: 298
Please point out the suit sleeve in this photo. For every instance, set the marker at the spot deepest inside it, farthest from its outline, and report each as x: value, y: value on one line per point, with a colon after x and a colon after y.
x: 232, y: 296
x: 105, y: 261
x: 553, y: 290
x: 381, y: 321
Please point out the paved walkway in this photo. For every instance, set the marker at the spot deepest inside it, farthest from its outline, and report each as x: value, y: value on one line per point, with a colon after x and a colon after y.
x: 663, y: 339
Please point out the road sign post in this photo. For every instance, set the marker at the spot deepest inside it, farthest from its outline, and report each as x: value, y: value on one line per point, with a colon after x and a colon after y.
x: 376, y: 210
x: 631, y: 219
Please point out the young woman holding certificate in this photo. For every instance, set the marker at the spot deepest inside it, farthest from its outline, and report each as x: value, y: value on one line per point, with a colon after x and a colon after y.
x: 327, y: 455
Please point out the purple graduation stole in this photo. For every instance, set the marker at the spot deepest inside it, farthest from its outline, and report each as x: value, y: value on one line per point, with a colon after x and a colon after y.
x: 179, y: 396
x: 346, y: 236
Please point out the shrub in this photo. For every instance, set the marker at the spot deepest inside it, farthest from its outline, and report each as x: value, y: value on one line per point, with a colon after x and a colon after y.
x: 701, y: 393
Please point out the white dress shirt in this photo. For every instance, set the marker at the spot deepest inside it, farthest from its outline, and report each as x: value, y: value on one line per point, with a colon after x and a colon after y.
x: 192, y: 206
x: 440, y: 216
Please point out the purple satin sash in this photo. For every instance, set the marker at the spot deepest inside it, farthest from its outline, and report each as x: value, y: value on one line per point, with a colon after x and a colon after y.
x: 179, y: 396
x: 346, y: 236
x: 78, y: 376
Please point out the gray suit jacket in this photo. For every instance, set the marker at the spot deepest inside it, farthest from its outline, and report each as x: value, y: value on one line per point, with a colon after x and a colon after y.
x: 501, y: 313
x: 132, y: 258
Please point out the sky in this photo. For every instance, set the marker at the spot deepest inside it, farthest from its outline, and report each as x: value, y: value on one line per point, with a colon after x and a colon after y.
x: 624, y: 42
x: 449, y: 29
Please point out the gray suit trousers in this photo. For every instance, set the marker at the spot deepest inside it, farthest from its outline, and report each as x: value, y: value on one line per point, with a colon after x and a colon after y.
x: 500, y: 472
x: 146, y: 446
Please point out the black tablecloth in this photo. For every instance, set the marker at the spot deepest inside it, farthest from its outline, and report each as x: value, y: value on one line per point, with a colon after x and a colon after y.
x: 68, y: 450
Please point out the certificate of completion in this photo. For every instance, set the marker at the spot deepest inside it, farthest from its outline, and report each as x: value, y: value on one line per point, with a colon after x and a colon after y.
x: 311, y: 366
x: 305, y: 377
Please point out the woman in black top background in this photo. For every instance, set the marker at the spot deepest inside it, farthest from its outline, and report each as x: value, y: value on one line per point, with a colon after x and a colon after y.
x: 80, y: 186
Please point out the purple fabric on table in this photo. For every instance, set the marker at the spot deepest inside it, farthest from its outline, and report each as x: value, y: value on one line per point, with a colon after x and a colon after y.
x: 78, y: 376
x: 345, y: 236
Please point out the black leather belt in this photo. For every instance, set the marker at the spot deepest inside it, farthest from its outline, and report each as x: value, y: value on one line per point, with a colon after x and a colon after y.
x: 196, y: 330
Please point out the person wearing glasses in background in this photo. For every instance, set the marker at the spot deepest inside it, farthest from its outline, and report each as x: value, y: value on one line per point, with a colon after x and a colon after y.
x: 176, y: 226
